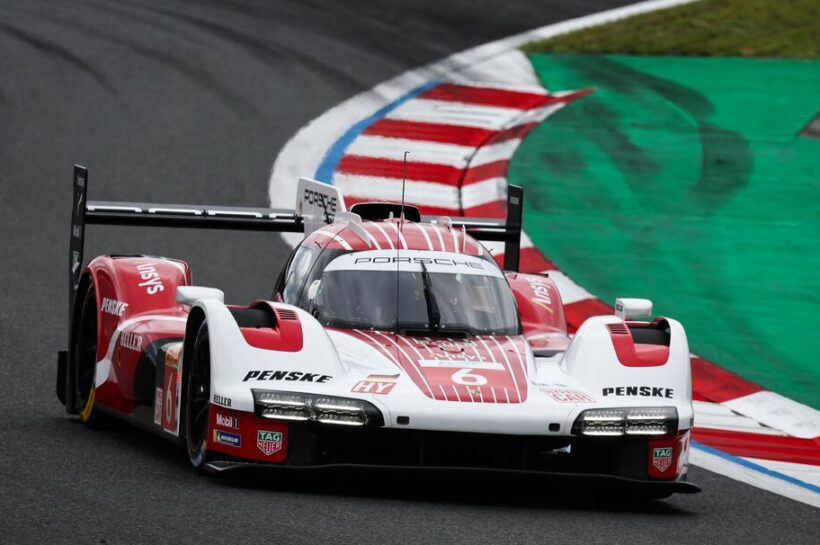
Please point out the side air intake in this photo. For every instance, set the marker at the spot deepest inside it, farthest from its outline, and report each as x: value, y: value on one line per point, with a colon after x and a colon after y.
x: 618, y: 329
x: 286, y: 314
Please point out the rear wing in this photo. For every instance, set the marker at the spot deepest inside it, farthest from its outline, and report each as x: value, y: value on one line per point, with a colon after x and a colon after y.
x: 317, y: 204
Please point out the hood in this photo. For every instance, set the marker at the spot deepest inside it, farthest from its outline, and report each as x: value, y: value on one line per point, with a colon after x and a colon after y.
x: 485, y: 369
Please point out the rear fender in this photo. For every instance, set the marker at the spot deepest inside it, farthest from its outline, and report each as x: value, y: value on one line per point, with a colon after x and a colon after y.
x: 540, y: 310
x: 131, y: 286
x: 131, y: 292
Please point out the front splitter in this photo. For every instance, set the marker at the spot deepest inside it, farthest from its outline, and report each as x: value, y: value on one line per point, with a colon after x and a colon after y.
x: 552, y: 478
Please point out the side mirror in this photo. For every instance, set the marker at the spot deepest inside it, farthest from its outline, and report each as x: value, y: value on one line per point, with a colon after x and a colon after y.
x: 313, y: 290
x: 628, y: 308
x: 188, y: 295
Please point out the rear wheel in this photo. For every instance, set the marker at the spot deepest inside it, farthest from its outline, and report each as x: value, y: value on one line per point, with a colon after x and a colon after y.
x: 197, y: 379
x: 85, y: 360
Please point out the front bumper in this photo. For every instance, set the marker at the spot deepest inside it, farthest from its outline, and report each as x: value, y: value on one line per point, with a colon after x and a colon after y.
x: 326, y: 447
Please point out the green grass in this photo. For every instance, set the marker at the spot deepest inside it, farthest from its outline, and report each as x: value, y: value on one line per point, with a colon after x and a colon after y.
x: 723, y: 28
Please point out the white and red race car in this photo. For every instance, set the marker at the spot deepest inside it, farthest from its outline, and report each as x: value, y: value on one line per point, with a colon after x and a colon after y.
x: 391, y: 340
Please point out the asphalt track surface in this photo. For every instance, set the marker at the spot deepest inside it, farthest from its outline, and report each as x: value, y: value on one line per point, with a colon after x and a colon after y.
x: 190, y: 102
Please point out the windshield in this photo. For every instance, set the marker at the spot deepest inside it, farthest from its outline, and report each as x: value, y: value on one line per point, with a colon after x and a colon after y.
x: 462, y: 297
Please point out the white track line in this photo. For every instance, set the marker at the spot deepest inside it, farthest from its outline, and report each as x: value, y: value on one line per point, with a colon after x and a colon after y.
x: 501, y: 151
x: 420, y: 151
x: 377, y: 188
x: 735, y: 468
x: 454, y: 113
x: 774, y: 410
x: 717, y: 416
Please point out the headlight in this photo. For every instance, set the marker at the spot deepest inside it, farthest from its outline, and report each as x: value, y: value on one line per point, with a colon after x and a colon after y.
x: 315, y: 408
x: 627, y: 421
x: 281, y: 405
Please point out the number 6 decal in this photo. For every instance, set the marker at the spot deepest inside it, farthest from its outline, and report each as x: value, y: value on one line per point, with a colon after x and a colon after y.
x: 169, y: 421
x: 465, y: 377
x: 169, y: 399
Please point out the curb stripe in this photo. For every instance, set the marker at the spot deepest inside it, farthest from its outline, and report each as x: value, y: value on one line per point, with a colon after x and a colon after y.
x: 496, y: 169
x: 487, y: 96
x: 577, y: 313
x: 715, y: 416
x: 444, y: 133
x: 384, y: 167
x: 390, y: 168
x: 421, y: 151
x: 419, y: 193
x: 488, y: 210
x: 751, y: 445
x: 755, y: 467
x: 719, y: 385
x: 350, y: 200
x: 455, y: 113
x: 773, y: 409
x: 324, y: 173
x: 430, y: 132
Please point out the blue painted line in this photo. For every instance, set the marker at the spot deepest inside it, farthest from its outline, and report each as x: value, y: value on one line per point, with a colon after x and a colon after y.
x: 756, y: 467
x: 334, y: 154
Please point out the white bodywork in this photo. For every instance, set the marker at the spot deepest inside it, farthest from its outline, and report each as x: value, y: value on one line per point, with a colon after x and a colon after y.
x: 586, y: 370
x: 589, y: 375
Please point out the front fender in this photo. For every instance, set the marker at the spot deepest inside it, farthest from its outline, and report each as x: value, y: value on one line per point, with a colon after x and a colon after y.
x: 237, y: 367
x: 592, y: 359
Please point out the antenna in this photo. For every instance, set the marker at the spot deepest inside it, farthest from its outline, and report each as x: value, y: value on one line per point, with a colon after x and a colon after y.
x: 398, y: 233
x: 403, y: 184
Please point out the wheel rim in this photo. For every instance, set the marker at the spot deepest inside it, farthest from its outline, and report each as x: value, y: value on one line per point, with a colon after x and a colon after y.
x: 199, y: 398
x: 86, y: 356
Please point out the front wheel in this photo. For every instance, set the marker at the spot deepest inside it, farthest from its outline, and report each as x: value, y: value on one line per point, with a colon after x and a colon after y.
x: 197, y: 390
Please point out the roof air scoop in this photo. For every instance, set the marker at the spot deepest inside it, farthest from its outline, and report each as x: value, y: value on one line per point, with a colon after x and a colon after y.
x: 375, y: 211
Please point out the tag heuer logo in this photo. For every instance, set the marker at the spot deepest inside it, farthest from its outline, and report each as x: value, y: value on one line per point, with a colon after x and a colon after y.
x: 662, y: 458
x: 269, y: 442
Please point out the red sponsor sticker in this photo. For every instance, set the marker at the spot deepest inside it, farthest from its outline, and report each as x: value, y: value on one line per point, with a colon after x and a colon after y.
x: 227, y: 421
x: 373, y: 387
x: 376, y: 384
x: 663, y: 458
x: 269, y: 442
x: 565, y: 395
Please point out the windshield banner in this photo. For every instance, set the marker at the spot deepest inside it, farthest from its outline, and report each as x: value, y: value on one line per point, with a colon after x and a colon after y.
x: 411, y: 261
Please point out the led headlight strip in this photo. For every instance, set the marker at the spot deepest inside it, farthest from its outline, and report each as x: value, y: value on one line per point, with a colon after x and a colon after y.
x: 297, y: 406
x: 650, y: 421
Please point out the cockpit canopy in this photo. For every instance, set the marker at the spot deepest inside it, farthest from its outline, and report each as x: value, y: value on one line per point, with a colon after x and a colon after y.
x: 428, y: 292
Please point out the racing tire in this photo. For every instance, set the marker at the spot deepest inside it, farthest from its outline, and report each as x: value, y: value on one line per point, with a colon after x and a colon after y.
x: 195, y: 417
x: 85, y: 362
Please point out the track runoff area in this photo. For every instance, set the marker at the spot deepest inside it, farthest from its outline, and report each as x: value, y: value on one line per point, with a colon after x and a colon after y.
x: 462, y: 120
